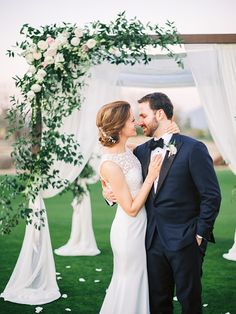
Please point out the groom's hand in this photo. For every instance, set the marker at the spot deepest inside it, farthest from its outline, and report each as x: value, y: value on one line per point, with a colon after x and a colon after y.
x: 199, y: 240
x: 107, y: 192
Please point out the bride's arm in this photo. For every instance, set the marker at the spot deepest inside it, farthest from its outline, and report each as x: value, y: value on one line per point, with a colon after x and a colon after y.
x: 113, y: 174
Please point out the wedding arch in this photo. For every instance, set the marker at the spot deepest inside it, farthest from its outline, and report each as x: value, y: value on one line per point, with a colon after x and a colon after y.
x: 66, y: 64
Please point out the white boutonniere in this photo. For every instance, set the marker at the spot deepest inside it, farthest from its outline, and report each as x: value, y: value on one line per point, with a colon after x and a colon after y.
x: 171, y: 147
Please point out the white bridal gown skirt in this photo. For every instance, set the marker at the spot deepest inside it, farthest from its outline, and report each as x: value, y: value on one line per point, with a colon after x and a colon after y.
x: 128, y: 290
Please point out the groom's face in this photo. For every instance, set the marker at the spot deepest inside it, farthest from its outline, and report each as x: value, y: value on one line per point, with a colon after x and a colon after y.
x: 147, y: 119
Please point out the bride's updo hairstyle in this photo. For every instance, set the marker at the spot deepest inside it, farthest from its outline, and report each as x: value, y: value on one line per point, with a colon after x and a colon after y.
x: 111, y: 119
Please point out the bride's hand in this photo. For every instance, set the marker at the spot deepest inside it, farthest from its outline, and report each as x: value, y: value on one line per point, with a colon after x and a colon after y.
x: 173, y: 128
x: 155, y: 166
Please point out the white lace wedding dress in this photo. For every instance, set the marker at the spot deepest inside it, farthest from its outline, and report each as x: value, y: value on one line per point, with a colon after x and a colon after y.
x: 128, y: 289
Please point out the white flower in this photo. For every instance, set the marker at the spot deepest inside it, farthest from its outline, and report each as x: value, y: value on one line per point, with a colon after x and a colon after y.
x: 68, y: 309
x: 115, y: 51
x: 75, y: 41
x: 42, y: 45
x: 32, y: 48
x: 79, y: 32
x: 205, y: 305
x: 59, y: 58
x: 36, y: 88
x: 59, y: 278
x: 50, y: 52
x: 68, y: 266
x: 98, y: 269
x: 172, y: 149
x: 32, y: 69
x: 82, y: 280
x: 41, y: 73
x: 38, y: 309
x: 64, y: 296
x: 37, y: 55
x: 29, y: 58
x: 58, y: 273
x: 48, y: 60
x: 61, y: 39
x: 96, y: 280
x: 91, y: 43
x: 30, y: 95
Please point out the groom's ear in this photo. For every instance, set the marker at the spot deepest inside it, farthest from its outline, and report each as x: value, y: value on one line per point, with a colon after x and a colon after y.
x: 160, y: 114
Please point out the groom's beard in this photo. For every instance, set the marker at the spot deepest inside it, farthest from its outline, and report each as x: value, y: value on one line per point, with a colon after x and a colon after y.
x: 150, y: 129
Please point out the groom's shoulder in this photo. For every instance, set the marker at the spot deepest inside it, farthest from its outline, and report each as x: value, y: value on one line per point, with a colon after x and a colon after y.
x: 190, y: 141
x: 141, y: 147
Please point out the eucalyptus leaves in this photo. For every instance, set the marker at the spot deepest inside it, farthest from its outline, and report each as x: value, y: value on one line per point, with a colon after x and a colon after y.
x: 59, y: 58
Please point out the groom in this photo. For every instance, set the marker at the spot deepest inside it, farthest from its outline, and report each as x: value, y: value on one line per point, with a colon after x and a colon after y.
x: 181, y: 209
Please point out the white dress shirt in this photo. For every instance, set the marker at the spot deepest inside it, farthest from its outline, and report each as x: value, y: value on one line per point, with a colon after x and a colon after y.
x: 166, y: 138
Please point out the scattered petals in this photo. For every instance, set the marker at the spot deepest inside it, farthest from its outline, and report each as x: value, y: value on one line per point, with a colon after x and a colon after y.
x: 98, y: 269
x: 58, y: 278
x: 175, y: 299
x: 58, y: 273
x: 68, y: 266
x: 68, y: 310
x: 38, y: 309
x: 82, y: 280
x: 205, y: 305
x: 64, y: 296
x: 227, y: 313
x: 96, y: 280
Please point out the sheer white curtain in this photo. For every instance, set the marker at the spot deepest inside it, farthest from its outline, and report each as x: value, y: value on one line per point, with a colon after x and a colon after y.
x: 214, y: 71
x: 33, y: 280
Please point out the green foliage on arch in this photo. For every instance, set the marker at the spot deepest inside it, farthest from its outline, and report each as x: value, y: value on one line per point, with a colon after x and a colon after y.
x: 59, y: 57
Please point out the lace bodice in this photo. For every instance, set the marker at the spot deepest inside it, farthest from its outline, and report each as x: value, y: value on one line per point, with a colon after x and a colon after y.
x: 130, y: 166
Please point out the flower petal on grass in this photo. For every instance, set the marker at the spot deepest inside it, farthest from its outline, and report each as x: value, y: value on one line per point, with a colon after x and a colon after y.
x: 38, y: 309
x: 96, y: 280
x: 98, y: 269
x: 68, y: 266
x: 64, y: 296
x: 58, y: 278
x: 68, y: 310
x: 82, y: 280
x: 175, y: 299
x: 205, y: 305
x: 58, y: 273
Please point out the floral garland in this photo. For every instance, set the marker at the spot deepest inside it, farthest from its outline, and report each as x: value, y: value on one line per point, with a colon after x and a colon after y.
x: 59, y: 58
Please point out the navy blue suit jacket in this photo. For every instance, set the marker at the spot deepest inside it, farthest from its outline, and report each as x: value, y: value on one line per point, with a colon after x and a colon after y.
x: 187, y: 199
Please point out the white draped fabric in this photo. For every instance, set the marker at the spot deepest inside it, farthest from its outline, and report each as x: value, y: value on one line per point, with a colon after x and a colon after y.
x: 33, y: 280
x: 214, y: 71
x: 82, y: 240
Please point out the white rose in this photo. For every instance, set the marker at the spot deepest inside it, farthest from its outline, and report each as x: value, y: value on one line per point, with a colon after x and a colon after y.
x: 30, y: 95
x: 48, y: 60
x: 32, y: 48
x: 37, y: 55
x: 36, y: 88
x: 75, y: 41
x: 50, y: 52
x: 29, y: 58
x: 59, y: 58
x: 91, y: 43
x: 42, y: 45
x: 41, y: 73
x: 79, y: 32
x: 32, y: 69
x: 61, y: 40
x: 115, y: 51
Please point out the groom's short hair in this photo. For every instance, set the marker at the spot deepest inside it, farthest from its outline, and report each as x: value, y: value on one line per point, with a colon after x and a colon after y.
x: 159, y: 101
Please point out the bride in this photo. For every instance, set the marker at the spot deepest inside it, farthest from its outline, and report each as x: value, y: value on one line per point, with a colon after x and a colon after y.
x: 121, y: 170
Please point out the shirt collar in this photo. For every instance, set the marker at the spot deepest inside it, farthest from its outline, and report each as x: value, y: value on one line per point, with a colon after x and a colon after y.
x: 166, y: 138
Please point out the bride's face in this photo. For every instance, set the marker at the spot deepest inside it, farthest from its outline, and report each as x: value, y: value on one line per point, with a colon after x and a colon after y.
x: 130, y: 126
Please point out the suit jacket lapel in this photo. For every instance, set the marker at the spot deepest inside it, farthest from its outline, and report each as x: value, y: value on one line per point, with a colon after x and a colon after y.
x: 167, y: 162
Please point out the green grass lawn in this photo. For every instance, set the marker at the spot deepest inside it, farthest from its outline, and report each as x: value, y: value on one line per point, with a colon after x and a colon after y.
x: 219, y: 279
